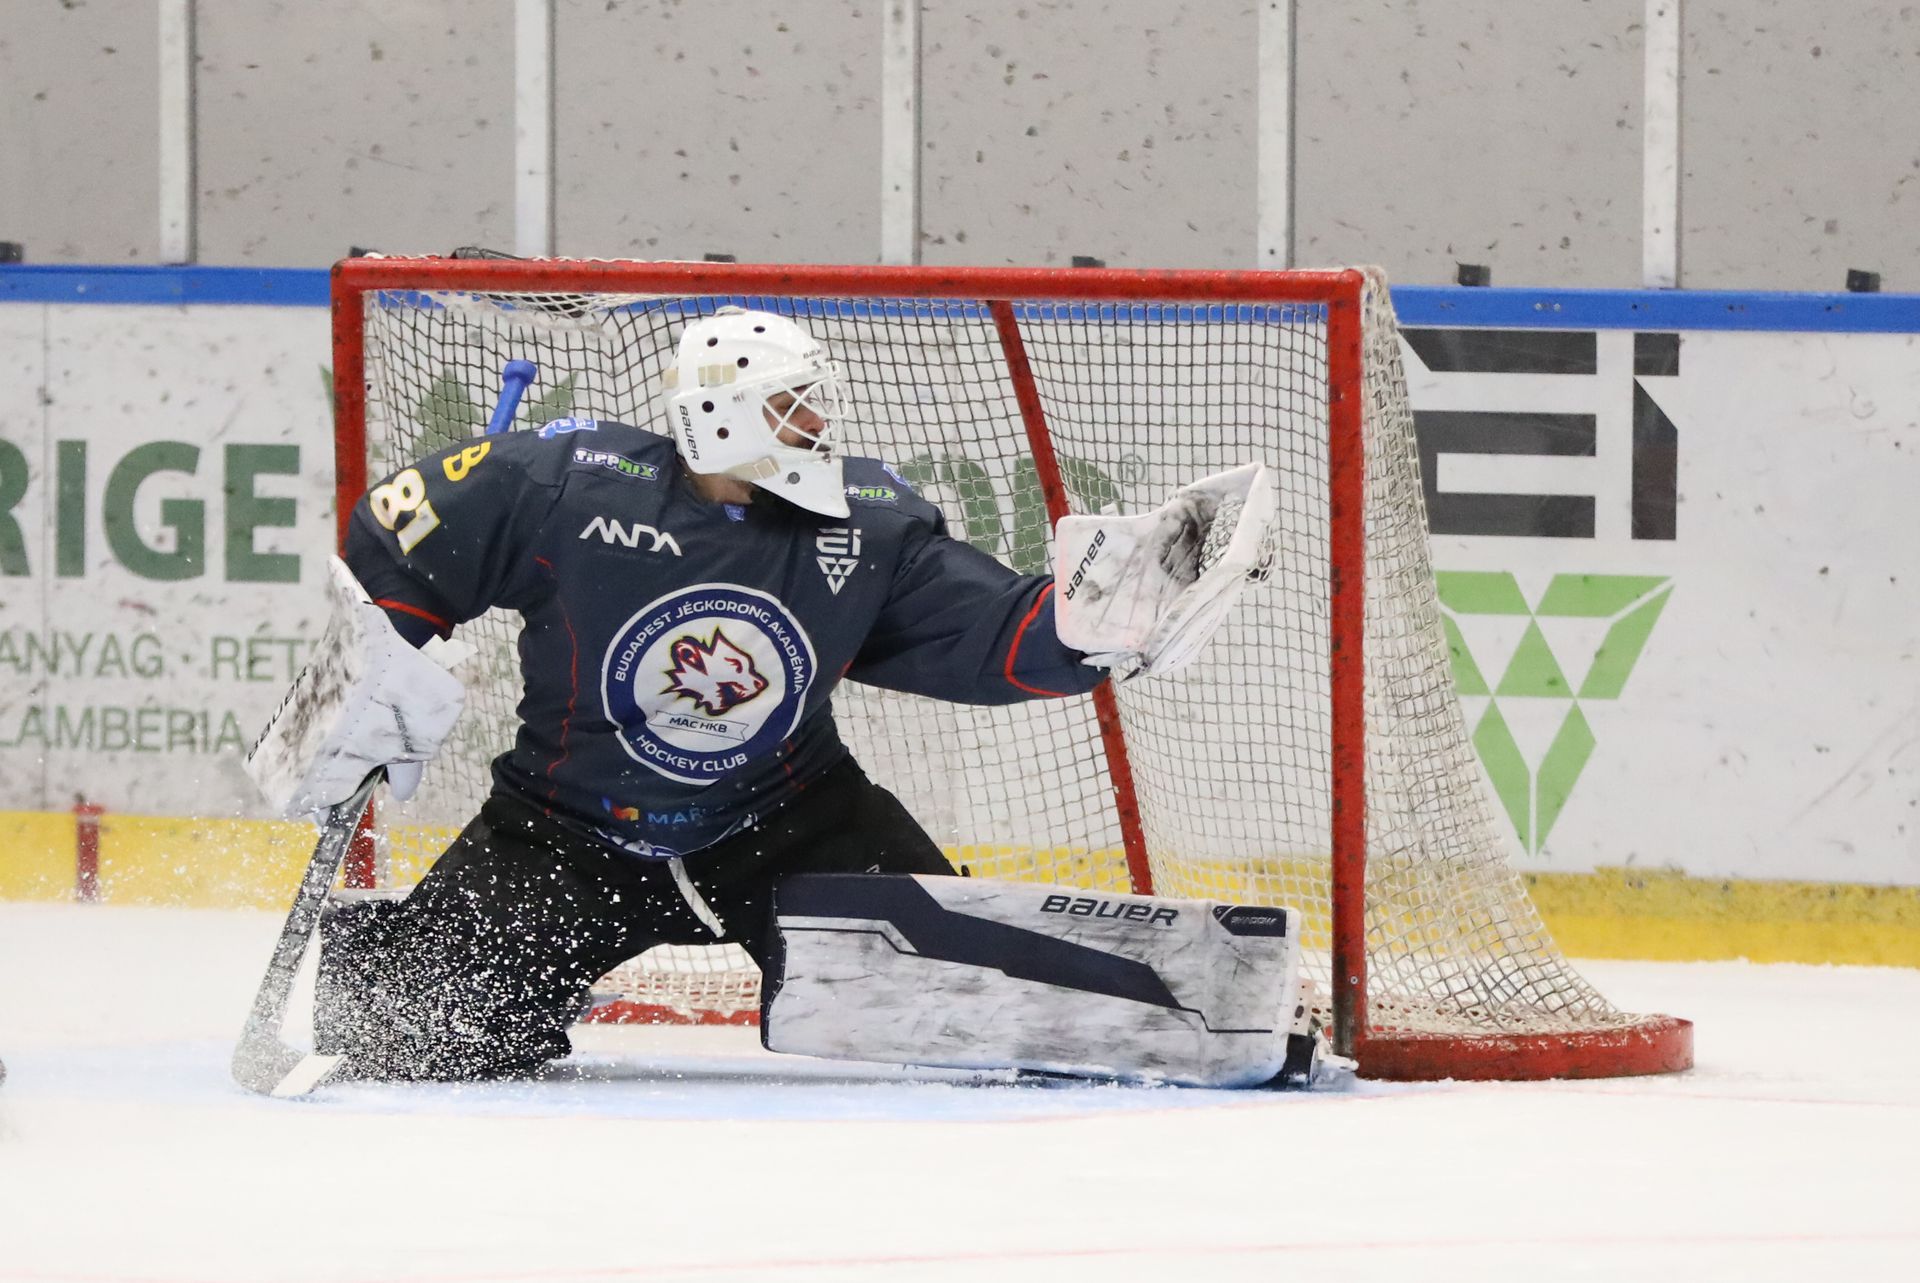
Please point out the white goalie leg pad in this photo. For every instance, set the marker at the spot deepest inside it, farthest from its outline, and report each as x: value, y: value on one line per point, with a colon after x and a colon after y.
x: 972, y: 973
x: 365, y: 700
x: 1142, y: 594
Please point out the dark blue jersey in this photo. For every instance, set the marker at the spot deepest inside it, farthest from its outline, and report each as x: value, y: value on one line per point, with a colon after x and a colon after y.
x: 679, y: 655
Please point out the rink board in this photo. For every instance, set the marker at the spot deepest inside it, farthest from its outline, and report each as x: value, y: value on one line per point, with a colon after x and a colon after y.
x: 1672, y: 531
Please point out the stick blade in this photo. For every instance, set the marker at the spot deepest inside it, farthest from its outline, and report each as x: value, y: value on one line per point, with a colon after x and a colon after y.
x: 262, y: 1063
x: 313, y: 1070
x: 268, y: 1067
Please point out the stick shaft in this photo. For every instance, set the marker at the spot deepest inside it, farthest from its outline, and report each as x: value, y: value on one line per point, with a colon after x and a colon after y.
x: 261, y: 1059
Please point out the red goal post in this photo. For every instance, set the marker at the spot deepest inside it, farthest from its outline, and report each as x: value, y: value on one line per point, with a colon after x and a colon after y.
x: 1316, y: 755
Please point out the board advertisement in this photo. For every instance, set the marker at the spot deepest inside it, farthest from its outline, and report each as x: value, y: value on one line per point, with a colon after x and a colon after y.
x: 1676, y: 567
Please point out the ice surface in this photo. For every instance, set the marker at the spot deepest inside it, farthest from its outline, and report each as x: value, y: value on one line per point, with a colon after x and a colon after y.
x: 126, y: 1154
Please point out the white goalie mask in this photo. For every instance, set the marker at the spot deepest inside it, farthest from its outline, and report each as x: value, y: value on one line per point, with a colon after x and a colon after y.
x: 739, y: 379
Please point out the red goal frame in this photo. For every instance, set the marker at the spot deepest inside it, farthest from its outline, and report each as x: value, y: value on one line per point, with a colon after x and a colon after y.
x: 1655, y: 1045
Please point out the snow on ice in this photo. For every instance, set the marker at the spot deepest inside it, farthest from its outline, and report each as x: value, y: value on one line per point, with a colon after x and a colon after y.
x: 127, y: 1154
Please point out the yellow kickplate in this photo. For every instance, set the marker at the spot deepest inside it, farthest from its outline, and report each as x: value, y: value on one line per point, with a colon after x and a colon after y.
x: 1611, y: 913
x: 1667, y: 917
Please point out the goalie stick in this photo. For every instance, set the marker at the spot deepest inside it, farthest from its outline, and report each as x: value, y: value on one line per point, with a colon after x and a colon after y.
x: 262, y: 1062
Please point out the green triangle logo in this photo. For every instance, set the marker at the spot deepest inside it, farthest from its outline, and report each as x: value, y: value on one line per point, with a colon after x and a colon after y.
x: 1533, y: 791
x: 1533, y: 670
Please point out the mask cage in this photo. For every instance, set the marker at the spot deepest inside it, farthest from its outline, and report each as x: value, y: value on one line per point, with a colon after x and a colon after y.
x: 826, y: 397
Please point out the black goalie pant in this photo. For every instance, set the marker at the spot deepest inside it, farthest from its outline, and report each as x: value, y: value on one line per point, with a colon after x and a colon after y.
x: 481, y: 969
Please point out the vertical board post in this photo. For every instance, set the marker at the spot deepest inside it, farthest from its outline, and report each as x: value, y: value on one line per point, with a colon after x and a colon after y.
x: 175, y: 151
x: 1273, y: 147
x: 900, y: 132
x: 533, y: 128
x: 1660, y: 149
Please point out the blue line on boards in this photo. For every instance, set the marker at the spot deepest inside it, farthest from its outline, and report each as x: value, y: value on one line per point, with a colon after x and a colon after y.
x: 1417, y: 305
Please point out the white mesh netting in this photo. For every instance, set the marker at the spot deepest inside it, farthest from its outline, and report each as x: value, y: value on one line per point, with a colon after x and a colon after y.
x: 1230, y: 757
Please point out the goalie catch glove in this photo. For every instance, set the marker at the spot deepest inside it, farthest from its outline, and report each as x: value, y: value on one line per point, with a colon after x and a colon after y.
x: 1142, y: 594
x: 366, y: 700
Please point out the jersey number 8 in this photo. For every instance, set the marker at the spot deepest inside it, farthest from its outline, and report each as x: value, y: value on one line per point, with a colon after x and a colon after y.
x: 402, y: 506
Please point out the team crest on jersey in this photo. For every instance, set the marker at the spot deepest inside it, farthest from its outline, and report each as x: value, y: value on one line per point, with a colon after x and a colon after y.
x: 839, y: 549
x: 705, y: 679
x: 715, y: 674
x: 560, y: 427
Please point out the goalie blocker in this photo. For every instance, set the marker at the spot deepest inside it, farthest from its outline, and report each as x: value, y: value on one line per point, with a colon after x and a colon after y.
x: 970, y: 973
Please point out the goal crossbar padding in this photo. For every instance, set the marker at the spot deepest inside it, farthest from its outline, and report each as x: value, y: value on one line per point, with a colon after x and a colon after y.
x: 977, y: 973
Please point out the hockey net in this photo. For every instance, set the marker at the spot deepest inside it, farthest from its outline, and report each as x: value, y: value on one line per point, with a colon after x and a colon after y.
x: 1294, y: 763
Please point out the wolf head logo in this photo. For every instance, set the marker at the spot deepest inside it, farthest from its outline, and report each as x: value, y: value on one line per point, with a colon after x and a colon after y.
x: 716, y: 675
